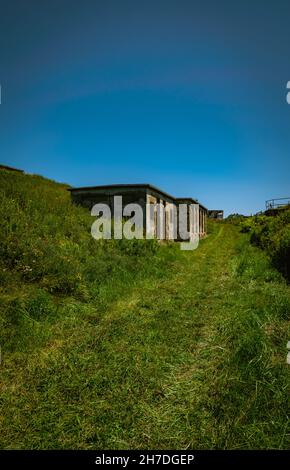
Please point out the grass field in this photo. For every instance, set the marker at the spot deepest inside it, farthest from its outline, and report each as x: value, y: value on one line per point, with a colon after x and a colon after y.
x: 124, y: 346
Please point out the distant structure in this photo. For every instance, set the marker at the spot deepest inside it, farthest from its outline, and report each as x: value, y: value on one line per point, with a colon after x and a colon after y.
x: 141, y: 194
x: 274, y: 206
x: 10, y: 168
x: 216, y: 214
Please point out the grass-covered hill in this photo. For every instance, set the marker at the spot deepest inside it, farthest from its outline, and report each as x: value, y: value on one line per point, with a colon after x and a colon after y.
x: 128, y: 344
x: 272, y: 234
x: 45, y: 240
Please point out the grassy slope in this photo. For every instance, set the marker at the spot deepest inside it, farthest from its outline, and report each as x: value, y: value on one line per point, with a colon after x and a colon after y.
x: 186, y: 350
x: 273, y: 235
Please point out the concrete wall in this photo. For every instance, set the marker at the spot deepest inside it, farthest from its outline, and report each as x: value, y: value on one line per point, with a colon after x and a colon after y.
x: 89, y: 197
x: 202, y: 221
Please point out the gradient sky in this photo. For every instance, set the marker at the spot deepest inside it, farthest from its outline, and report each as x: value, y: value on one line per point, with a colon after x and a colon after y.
x: 186, y: 95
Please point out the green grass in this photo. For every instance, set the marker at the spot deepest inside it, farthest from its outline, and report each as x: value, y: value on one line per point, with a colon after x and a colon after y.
x: 149, y: 347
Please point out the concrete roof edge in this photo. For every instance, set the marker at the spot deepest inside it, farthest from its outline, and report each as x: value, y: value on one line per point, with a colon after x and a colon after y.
x: 137, y: 185
x: 129, y: 185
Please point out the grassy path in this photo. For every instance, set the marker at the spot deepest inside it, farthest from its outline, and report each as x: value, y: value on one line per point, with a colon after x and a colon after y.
x: 195, y: 359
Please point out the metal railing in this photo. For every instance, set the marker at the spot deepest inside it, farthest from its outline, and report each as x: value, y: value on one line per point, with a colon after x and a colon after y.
x: 278, y: 202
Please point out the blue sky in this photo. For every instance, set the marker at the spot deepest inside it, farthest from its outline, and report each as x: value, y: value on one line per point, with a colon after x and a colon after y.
x: 186, y: 95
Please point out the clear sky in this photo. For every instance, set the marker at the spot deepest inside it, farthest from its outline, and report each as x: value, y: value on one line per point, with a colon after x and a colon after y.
x: 186, y: 95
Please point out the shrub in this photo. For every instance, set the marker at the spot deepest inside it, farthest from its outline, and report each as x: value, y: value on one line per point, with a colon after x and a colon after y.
x: 272, y: 234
